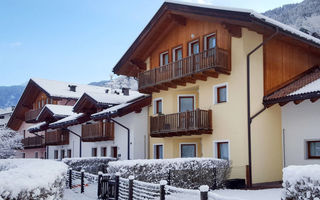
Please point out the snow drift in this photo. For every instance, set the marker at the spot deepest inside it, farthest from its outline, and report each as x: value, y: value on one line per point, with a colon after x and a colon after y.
x: 89, y: 164
x: 26, y: 179
x: 302, y: 182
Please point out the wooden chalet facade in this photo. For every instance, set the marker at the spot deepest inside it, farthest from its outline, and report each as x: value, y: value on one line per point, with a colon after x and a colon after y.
x: 194, y: 60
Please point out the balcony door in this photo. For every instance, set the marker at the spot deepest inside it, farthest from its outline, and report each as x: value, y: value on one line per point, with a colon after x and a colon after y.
x: 194, y: 50
x: 186, y: 118
x: 177, y: 59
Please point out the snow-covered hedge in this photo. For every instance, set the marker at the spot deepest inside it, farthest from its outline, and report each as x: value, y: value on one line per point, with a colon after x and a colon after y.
x: 26, y: 179
x: 89, y: 164
x: 184, y: 172
x: 302, y: 182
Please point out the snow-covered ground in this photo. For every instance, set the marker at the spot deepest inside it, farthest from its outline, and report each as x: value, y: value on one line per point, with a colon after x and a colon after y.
x: 267, y: 194
x: 90, y: 193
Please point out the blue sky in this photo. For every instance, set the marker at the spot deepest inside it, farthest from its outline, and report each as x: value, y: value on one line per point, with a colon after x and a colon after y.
x: 78, y: 40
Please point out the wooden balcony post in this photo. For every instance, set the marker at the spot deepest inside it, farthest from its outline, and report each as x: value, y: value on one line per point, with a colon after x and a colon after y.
x: 210, y: 118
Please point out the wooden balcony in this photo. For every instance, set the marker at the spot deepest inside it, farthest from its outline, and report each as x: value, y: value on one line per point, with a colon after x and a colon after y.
x: 31, y: 115
x: 101, y: 131
x: 196, y: 67
x: 57, y: 137
x: 195, y: 122
x: 33, y: 142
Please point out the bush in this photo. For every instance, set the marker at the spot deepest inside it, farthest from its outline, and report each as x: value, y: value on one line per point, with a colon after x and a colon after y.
x: 302, y: 182
x: 182, y: 172
x: 26, y: 179
x: 90, y: 164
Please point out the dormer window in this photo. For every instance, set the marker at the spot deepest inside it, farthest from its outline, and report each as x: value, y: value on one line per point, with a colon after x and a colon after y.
x: 164, y: 58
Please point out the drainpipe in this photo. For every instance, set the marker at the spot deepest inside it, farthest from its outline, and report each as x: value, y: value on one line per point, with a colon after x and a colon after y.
x: 80, y: 140
x: 249, y: 118
x: 123, y: 126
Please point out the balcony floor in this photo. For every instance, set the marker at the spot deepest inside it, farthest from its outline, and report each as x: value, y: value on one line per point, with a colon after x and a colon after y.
x: 181, y: 133
x: 97, y: 139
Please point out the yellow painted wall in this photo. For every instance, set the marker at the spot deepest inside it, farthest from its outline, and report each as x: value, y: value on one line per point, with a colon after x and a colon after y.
x: 230, y: 118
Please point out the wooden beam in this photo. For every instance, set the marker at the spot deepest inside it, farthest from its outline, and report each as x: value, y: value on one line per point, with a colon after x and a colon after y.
x: 200, y: 77
x: 138, y: 63
x: 162, y: 87
x: 234, y: 30
x: 189, y: 80
x: 170, y: 85
x: 314, y: 99
x: 179, y: 82
x: 283, y: 103
x: 26, y: 106
x: 298, y: 101
x: 211, y: 74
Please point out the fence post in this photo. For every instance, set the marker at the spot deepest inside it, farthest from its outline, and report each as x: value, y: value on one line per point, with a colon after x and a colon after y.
x: 70, y: 178
x: 163, y: 183
x: 82, y: 181
x: 169, y: 177
x: 131, y: 187
x: 99, y: 183
x: 204, y: 192
x: 117, y: 183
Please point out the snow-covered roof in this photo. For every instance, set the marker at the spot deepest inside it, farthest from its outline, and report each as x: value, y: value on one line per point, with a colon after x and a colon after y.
x: 58, y: 110
x: 311, y: 87
x: 36, y: 126
x: 70, y: 118
x: 61, y: 89
x: 111, y: 110
x: 112, y: 98
x: 256, y: 15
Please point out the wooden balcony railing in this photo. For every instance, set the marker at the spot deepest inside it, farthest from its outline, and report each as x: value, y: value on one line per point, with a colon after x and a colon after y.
x: 100, y: 131
x: 185, y: 123
x: 199, y: 63
x: 33, y: 142
x: 57, y: 137
x: 31, y: 115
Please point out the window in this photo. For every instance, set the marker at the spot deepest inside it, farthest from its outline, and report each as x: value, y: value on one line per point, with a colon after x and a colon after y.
x: 36, y: 154
x: 209, y: 41
x: 164, y: 58
x: 221, y: 93
x: 177, y: 53
x: 188, y: 150
x: 94, y: 152
x: 223, y: 150
x: 56, y: 154
x: 23, y: 155
x: 158, y: 151
x: 69, y: 153
x: 104, y: 151
x: 62, y: 154
x: 114, y: 152
x: 313, y: 149
x: 158, y: 106
x: 186, y: 103
x: 194, y: 47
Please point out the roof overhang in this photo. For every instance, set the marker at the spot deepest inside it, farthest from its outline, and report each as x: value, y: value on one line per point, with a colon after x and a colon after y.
x: 87, y: 104
x: 173, y: 13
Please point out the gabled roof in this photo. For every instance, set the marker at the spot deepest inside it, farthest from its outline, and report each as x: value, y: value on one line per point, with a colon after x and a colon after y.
x: 74, y: 119
x: 38, y: 127
x: 53, y: 89
x: 53, y: 111
x: 304, y: 86
x: 95, y: 100
x: 129, y: 65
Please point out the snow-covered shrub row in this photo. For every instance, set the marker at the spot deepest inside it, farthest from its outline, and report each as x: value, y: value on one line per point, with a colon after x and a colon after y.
x: 302, y: 182
x: 89, y: 164
x: 184, y: 172
x: 27, y: 179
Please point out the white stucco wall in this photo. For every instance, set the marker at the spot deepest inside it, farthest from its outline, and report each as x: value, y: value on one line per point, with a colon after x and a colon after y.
x: 300, y: 123
x: 138, y: 125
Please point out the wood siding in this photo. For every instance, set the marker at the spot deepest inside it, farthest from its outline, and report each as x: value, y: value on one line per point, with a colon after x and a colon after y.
x: 283, y: 61
x: 180, y: 35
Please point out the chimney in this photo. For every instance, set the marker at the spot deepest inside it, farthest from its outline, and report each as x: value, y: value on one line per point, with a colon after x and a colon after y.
x: 72, y: 88
x: 107, y: 91
x: 125, y: 91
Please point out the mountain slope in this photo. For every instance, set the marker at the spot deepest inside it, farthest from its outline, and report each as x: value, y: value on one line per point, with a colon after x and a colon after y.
x: 9, y: 95
x: 301, y: 15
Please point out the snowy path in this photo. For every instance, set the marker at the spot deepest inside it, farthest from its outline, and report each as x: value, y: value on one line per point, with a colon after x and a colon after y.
x: 267, y: 194
x: 90, y: 193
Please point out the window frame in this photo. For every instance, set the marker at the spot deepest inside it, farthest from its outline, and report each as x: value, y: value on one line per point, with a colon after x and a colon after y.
x: 56, y: 154
x: 62, y: 155
x: 190, y: 45
x: 94, y: 152
x: 161, y: 61
x: 216, y: 148
x: 113, y: 152
x: 186, y: 96
x: 69, y: 151
x: 155, y: 153
x: 216, y: 93
x: 155, y: 105
x: 191, y: 143
x: 23, y: 155
x: 174, y: 52
x: 103, y: 152
x: 206, y: 38
x: 309, y: 150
